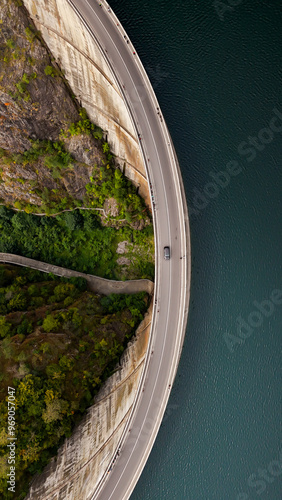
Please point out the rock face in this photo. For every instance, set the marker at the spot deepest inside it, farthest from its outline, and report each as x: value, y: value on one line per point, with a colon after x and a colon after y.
x: 24, y: 114
x: 84, y: 457
x: 36, y: 104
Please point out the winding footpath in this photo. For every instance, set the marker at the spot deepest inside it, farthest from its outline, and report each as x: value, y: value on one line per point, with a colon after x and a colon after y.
x: 171, y: 226
x: 95, y: 283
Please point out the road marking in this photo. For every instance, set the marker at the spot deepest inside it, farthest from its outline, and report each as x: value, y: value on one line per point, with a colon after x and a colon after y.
x: 161, y: 173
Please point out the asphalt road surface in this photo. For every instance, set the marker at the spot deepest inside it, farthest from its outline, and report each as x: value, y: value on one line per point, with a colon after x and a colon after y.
x: 172, y: 276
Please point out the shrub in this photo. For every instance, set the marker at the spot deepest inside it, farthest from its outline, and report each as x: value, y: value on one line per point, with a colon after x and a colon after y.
x: 98, y: 134
x: 21, y: 87
x: 106, y: 147
x: 29, y: 34
x: 10, y: 43
x: 50, y: 71
x: 25, y: 78
x: 128, y: 216
x: 25, y: 327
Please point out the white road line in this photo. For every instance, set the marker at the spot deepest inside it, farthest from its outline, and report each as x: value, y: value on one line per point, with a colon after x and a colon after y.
x: 177, y: 195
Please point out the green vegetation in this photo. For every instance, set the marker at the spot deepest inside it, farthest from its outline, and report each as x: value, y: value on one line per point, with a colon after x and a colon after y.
x: 76, y: 240
x: 21, y: 86
x: 106, y: 181
x: 30, y: 35
x: 11, y: 51
x: 59, y: 342
x: 50, y: 71
x: 10, y: 43
x: 84, y: 126
x: 53, y: 153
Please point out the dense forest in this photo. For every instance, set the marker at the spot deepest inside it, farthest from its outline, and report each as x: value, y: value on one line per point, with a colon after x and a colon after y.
x: 76, y: 240
x: 59, y: 342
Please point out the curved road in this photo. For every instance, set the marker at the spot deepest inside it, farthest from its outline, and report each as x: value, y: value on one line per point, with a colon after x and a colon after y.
x: 171, y: 228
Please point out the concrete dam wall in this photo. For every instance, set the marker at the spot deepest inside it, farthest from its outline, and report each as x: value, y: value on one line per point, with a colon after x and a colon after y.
x: 84, y: 457
x: 92, y: 82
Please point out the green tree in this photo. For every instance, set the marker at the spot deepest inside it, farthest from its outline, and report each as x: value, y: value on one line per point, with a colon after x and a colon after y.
x: 50, y: 323
x: 5, y: 213
x: 5, y: 327
x: 90, y: 220
x: 33, y: 290
x: 73, y: 220
x: 53, y: 371
x: 63, y: 290
x: 37, y: 301
x: 55, y: 410
x: 25, y: 327
x: 18, y: 302
x: 23, y: 221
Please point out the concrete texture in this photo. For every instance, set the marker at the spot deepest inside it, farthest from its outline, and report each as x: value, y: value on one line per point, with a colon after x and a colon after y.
x: 84, y: 457
x: 95, y: 283
x: 92, y: 82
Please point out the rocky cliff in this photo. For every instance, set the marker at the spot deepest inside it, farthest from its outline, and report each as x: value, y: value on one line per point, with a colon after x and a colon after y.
x: 49, y: 149
x: 26, y: 74
x: 36, y: 106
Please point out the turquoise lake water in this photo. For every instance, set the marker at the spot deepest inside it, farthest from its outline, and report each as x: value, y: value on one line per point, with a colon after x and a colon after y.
x: 217, y: 75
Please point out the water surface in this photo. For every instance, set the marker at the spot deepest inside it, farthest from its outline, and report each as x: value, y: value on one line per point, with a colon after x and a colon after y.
x: 218, y: 82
